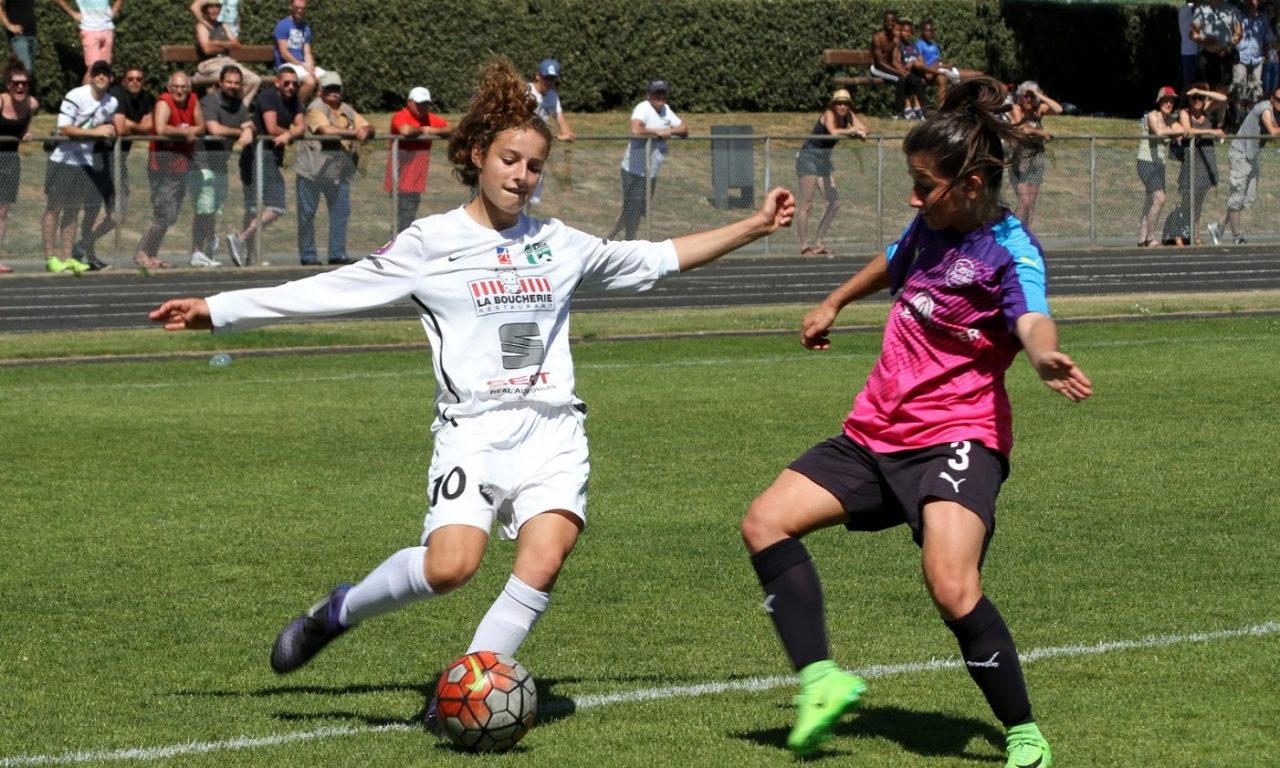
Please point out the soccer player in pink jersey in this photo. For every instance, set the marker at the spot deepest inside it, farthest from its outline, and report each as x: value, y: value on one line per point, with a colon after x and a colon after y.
x: 928, y: 439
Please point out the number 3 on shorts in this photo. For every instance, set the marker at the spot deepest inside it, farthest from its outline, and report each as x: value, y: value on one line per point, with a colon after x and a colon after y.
x: 451, y: 484
x: 959, y: 463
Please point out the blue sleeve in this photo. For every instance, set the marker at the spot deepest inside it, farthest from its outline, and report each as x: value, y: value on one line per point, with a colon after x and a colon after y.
x: 282, y: 30
x: 1023, y: 286
x: 893, y: 247
x: 906, y: 242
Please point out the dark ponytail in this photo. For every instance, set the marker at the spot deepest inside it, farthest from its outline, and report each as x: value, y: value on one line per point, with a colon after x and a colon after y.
x: 969, y: 134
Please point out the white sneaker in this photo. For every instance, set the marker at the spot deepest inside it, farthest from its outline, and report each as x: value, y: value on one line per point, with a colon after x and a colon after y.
x: 1215, y: 231
x: 198, y: 259
x: 236, y: 246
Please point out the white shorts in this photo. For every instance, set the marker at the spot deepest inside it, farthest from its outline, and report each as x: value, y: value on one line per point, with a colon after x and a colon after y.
x: 510, y: 464
x: 301, y: 71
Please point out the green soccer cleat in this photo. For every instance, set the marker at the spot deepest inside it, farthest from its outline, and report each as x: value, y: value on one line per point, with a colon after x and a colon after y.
x: 826, y: 693
x: 1027, y: 748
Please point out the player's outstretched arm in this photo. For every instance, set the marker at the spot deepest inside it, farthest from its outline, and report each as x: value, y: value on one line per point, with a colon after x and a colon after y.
x: 1039, y: 335
x: 190, y: 314
x: 776, y: 211
x: 872, y: 278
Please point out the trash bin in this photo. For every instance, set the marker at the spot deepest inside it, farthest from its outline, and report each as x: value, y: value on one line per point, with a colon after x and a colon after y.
x: 733, y: 166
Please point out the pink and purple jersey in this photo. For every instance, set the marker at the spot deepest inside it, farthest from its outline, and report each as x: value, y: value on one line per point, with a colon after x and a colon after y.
x: 950, y: 337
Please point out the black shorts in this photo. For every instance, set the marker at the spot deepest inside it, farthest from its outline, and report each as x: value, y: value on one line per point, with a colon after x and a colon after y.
x: 882, y: 490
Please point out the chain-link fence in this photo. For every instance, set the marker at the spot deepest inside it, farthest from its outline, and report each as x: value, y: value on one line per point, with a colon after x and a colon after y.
x: 1091, y: 195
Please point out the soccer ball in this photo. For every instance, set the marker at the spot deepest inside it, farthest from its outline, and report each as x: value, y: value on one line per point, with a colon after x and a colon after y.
x: 486, y: 702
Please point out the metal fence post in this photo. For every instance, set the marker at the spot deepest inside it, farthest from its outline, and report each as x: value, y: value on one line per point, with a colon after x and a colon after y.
x: 259, y: 149
x: 768, y: 180
x: 648, y: 188
x: 117, y: 213
x: 879, y: 193
x: 395, y: 187
x: 1093, y: 191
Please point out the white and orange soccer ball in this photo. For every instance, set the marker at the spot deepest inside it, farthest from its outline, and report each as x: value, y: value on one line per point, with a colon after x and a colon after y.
x: 486, y: 702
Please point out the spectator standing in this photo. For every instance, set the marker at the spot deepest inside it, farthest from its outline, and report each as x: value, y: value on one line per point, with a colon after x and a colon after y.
x: 216, y: 46
x: 653, y: 121
x: 178, y: 122
x: 326, y: 168
x: 229, y: 15
x: 1216, y: 28
x: 1027, y: 171
x: 17, y: 106
x: 1158, y: 124
x: 1271, y: 64
x: 97, y: 28
x: 133, y: 116
x: 1190, y: 48
x: 19, y: 18
x: 279, y: 115
x: 1256, y: 38
x: 225, y: 118
x: 1199, y: 160
x: 75, y: 179
x: 545, y: 89
x: 293, y: 47
x: 416, y: 125
x: 814, y: 167
x: 1244, y: 164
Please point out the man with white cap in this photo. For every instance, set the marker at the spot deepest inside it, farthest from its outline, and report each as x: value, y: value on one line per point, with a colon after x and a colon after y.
x: 416, y: 125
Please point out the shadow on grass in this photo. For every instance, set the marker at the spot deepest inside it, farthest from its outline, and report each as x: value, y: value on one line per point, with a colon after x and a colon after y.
x: 930, y: 734
x: 551, y: 706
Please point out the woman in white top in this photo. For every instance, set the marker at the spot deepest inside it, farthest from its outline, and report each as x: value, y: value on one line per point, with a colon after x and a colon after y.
x: 493, y: 286
x: 653, y: 121
x: 1158, y: 124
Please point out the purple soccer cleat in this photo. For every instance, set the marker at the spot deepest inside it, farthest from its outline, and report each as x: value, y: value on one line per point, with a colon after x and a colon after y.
x: 306, y: 635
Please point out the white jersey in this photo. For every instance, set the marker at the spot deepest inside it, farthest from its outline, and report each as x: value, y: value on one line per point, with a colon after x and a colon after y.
x: 81, y: 109
x: 494, y: 304
x: 653, y: 120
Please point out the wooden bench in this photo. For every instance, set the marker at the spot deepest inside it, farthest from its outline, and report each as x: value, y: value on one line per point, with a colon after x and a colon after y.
x: 850, y: 57
x: 186, y: 54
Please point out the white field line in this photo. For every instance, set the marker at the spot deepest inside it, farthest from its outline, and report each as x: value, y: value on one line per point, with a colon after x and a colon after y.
x: 751, y: 684
x: 819, y: 357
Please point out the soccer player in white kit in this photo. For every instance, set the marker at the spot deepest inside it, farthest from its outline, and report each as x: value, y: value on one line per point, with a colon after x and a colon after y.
x: 493, y: 286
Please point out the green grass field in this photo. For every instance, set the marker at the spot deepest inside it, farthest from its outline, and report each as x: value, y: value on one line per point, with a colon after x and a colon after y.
x: 162, y: 520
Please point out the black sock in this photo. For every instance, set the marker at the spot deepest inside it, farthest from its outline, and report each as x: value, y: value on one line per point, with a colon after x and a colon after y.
x: 992, y: 660
x: 793, y: 598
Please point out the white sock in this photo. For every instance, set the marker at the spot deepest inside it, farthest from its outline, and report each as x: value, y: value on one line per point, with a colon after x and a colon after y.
x: 398, y: 581
x: 510, y: 618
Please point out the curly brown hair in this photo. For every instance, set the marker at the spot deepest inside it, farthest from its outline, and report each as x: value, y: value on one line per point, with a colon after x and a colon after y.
x: 501, y: 102
x: 970, y: 133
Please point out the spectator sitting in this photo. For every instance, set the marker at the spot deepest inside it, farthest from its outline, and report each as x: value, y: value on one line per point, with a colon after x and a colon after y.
x: 886, y: 64
x: 413, y: 124
x: 216, y: 45
x: 76, y: 176
x: 19, y: 18
x: 326, y: 168
x: 230, y: 14
x: 17, y: 106
x: 178, y: 122
x: 279, y: 115
x: 931, y: 66
x: 225, y: 117
x: 1245, y: 158
x: 293, y: 47
x: 97, y: 29
x: 909, y: 55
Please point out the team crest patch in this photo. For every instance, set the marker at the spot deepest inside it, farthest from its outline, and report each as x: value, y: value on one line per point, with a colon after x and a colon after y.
x: 508, y: 292
x: 962, y: 272
x: 504, y: 255
x: 536, y: 253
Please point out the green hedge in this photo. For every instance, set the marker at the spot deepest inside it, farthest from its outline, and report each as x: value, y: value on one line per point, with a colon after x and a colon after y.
x: 719, y: 55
